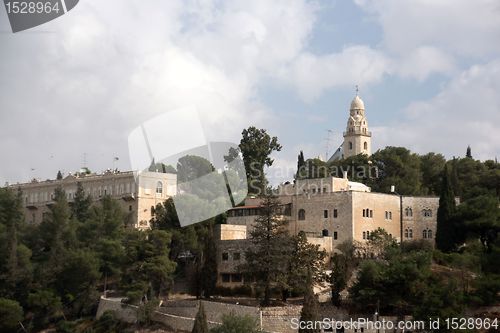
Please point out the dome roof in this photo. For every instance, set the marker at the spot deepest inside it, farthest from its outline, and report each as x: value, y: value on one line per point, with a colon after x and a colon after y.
x: 357, y: 103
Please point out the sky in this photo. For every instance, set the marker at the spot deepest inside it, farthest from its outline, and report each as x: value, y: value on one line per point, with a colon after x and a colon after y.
x: 73, y: 89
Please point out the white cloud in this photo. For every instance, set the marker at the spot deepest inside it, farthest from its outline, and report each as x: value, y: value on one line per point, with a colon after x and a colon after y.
x: 465, y: 112
x: 313, y: 75
x: 425, y: 37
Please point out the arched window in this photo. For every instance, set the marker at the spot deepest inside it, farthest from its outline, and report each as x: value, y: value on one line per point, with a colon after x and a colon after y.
x: 427, y: 213
x: 159, y: 187
x: 410, y: 233
x: 350, y: 145
x: 429, y: 233
x: 406, y: 233
x: 302, y: 214
x: 408, y: 212
x: 365, y: 145
x: 424, y: 234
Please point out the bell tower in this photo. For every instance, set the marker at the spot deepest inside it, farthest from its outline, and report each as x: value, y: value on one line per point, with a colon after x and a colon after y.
x: 357, y: 138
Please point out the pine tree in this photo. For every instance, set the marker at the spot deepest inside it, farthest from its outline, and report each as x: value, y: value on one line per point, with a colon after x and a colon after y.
x: 468, y: 154
x: 445, y: 230
x: 268, y: 257
x: 59, y: 175
x: 307, y: 262
x: 309, y: 312
x: 81, y: 205
x: 200, y: 322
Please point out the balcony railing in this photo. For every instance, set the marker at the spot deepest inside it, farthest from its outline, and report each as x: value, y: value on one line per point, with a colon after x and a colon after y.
x: 367, y: 133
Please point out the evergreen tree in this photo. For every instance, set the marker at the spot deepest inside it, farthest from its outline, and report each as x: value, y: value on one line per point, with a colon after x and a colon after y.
x: 200, y: 322
x: 15, y: 265
x: 309, y: 313
x: 59, y: 175
x: 307, y: 263
x: 208, y: 276
x: 268, y: 257
x: 81, y: 204
x: 468, y: 154
x: 445, y: 229
x: 301, y: 166
x: 11, y: 314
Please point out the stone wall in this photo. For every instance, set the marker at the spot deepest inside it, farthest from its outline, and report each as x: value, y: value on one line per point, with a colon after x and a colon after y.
x: 124, y: 312
x: 279, y: 319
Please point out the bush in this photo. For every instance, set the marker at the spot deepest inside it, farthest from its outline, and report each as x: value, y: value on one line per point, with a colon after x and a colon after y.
x: 233, y: 323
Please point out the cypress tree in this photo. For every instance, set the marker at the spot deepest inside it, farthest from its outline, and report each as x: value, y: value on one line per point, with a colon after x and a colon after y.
x: 445, y: 239
x: 200, y: 322
x: 468, y: 154
x: 59, y: 175
x: 301, y: 166
x: 309, y: 313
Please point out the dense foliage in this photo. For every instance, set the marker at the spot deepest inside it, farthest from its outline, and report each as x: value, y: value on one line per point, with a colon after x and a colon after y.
x: 59, y: 268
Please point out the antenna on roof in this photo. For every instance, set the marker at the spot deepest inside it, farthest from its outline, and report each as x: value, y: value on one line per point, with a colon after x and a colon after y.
x: 357, y: 90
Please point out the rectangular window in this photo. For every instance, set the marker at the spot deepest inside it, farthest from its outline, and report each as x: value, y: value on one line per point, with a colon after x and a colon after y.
x: 236, y: 278
x: 335, y: 213
x: 325, y: 213
x: 371, y: 213
x: 364, y: 215
x: 335, y: 235
x: 130, y: 208
x: 226, y: 277
x: 236, y: 256
x: 225, y: 256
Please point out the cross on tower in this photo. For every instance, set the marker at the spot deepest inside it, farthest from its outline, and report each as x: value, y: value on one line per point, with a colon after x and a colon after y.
x: 357, y: 90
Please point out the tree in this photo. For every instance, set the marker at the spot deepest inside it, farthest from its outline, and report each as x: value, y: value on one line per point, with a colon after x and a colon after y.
x: 11, y: 314
x: 269, y: 255
x: 81, y: 204
x: 256, y: 146
x: 233, y: 323
x: 301, y: 166
x: 200, y: 322
x: 59, y: 175
x: 148, y: 270
x: 468, y: 154
x: 15, y: 264
x: 309, y: 313
x: 400, y: 167
x: 191, y: 167
x: 432, y: 166
x: 77, y: 280
x: 46, y: 306
x: 307, y: 264
x: 480, y: 218
x: 208, y: 276
x: 57, y: 237
x: 445, y: 230
x: 343, y: 264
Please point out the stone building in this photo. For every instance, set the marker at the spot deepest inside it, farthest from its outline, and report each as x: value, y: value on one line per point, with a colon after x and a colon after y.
x: 330, y: 211
x: 137, y: 194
